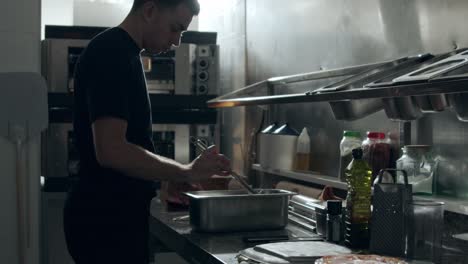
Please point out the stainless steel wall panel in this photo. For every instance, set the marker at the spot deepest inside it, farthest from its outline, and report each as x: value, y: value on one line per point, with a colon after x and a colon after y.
x: 304, y: 35
x: 227, y: 17
x: 285, y: 38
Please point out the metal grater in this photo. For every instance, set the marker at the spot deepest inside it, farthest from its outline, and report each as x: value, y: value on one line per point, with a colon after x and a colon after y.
x: 390, y: 205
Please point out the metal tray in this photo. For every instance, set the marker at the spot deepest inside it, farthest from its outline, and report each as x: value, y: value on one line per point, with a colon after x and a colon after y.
x: 354, y: 109
x: 237, y: 210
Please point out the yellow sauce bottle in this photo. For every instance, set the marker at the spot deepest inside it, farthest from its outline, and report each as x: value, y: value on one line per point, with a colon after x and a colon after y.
x: 358, y: 201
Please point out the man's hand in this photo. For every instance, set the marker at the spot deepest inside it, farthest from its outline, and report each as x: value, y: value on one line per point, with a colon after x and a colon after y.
x: 208, y: 164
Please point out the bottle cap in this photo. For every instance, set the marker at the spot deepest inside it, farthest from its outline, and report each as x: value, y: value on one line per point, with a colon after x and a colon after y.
x: 334, y: 207
x: 376, y: 135
x: 349, y: 133
x: 357, y: 153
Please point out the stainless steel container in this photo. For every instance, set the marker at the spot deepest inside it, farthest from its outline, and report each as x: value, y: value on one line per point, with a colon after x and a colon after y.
x: 424, y: 72
x: 457, y: 101
x: 410, y: 108
x: 401, y: 108
x: 236, y: 210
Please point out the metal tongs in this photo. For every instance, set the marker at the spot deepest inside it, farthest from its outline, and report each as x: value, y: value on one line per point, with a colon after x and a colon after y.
x: 202, y: 146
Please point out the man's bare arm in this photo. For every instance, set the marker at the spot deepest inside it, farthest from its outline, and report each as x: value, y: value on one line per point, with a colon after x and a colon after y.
x: 114, y: 151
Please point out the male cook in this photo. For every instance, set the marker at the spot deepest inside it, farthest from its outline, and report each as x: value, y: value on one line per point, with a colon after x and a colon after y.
x: 106, y: 213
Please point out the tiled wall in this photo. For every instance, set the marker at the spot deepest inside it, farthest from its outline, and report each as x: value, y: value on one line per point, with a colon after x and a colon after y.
x: 20, y: 35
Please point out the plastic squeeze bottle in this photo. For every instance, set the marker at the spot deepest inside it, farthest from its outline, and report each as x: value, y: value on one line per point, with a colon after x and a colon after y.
x: 302, y: 159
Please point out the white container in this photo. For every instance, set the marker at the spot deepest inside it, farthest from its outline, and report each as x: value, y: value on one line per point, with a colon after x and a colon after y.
x: 264, y: 144
x: 282, y: 145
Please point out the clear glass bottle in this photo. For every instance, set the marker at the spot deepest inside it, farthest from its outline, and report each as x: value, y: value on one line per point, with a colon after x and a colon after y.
x: 350, y: 141
x: 418, y: 162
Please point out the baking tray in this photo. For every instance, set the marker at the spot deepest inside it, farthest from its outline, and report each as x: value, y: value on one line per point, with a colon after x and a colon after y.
x: 237, y: 210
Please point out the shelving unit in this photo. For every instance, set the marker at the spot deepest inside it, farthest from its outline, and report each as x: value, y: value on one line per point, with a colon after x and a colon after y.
x: 454, y: 205
x: 166, y: 109
x: 457, y: 86
x: 247, y: 95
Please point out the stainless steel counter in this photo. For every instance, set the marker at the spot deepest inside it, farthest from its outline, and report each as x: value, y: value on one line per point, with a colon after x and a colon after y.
x: 222, y: 248
x: 206, y: 248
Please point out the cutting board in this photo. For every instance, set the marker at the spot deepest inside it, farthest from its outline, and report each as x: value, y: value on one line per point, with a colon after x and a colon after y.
x: 301, y: 251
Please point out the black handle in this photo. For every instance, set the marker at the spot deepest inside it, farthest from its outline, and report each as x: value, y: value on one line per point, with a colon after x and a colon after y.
x: 405, y: 175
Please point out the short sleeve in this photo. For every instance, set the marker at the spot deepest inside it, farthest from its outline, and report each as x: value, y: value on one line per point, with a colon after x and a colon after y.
x: 107, y: 87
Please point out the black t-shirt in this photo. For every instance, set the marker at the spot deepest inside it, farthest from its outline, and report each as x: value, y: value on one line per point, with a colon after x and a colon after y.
x: 110, y: 82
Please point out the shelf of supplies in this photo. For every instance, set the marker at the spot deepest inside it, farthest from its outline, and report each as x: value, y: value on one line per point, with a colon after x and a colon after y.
x: 454, y: 205
x: 310, y: 177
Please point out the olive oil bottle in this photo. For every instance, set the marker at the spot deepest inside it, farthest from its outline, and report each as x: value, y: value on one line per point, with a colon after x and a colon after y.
x: 358, y: 202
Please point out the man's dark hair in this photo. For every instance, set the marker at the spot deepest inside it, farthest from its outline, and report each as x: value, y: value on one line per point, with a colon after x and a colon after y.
x: 192, y: 4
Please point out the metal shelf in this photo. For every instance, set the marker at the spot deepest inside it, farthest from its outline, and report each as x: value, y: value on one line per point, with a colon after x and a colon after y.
x: 166, y: 109
x: 243, y: 97
x: 310, y: 177
x: 454, y: 205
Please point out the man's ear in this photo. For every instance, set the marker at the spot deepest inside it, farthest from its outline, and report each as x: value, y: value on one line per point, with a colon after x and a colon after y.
x: 149, y: 9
